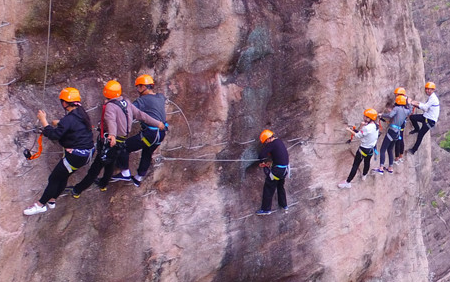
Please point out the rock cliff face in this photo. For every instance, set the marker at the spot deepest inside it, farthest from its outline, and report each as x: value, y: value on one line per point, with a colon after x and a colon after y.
x: 305, y: 70
x: 432, y: 21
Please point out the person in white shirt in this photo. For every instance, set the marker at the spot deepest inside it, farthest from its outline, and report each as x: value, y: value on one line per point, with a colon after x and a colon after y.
x: 428, y: 118
x: 368, y: 133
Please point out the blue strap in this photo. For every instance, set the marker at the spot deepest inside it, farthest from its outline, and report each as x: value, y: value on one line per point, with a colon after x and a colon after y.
x: 156, y: 128
x: 281, y: 166
x: 395, y: 126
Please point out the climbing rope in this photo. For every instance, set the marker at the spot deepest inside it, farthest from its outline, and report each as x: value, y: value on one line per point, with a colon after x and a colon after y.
x: 187, y: 122
x: 48, y: 47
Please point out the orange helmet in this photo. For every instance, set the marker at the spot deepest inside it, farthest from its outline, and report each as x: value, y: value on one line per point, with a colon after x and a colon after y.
x: 371, y: 113
x: 144, y: 79
x: 112, y: 89
x: 70, y: 94
x: 400, y: 91
x: 266, y: 134
x: 430, y: 85
x: 400, y: 100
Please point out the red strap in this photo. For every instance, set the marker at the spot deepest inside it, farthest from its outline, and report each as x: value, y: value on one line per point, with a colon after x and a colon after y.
x: 38, y: 153
x: 351, y: 135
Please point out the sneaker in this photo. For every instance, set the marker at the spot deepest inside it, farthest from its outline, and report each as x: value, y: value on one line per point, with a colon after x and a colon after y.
x: 136, y: 182
x: 413, y: 131
x: 262, y: 212
x: 70, y: 190
x: 364, y: 177
x: 397, y: 162
x: 119, y: 177
x: 345, y: 185
x: 34, y: 209
x: 401, y: 160
x: 410, y: 151
x: 378, y: 170
x: 51, y: 205
x: 390, y: 171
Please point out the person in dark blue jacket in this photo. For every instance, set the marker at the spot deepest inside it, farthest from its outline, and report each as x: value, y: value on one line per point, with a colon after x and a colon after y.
x: 74, y: 133
x: 149, y: 138
x: 276, y: 171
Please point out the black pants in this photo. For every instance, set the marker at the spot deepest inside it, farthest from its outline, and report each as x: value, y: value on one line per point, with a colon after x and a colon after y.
x: 57, y: 180
x: 135, y: 143
x: 357, y: 161
x: 427, y: 124
x: 388, y: 145
x: 269, y: 189
x: 95, y: 169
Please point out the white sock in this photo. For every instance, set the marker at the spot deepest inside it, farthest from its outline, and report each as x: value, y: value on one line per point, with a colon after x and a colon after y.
x: 126, y: 173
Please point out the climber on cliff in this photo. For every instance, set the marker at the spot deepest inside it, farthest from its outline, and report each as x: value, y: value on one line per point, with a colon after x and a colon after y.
x: 117, y: 115
x: 276, y: 171
x: 368, y: 132
x: 74, y: 133
x: 400, y: 143
x: 150, y: 137
x: 397, y: 117
x: 428, y: 119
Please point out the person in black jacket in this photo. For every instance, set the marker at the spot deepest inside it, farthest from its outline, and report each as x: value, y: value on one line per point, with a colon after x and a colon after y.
x: 276, y: 171
x: 149, y: 138
x: 74, y: 133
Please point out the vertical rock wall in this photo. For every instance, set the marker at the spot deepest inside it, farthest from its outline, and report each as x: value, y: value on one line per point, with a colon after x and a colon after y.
x: 305, y: 70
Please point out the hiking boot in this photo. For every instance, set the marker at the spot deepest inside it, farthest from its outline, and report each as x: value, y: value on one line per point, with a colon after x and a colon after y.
x: 364, y: 177
x: 413, y: 131
x: 70, y: 190
x: 119, y: 177
x: 34, y: 209
x: 51, y: 205
x: 345, y: 185
x: 263, y: 212
x: 378, y: 170
x: 136, y: 182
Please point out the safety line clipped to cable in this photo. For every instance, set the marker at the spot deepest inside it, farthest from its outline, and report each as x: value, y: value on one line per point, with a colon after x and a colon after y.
x: 48, y: 47
x: 187, y: 122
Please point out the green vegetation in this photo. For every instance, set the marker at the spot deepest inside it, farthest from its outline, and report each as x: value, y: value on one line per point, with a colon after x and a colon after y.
x: 442, y: 194
x: 434, y: 204
x: 436, y: 8
x: 445, y: 144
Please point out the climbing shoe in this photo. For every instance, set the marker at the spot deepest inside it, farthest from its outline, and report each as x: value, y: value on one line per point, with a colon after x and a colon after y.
x: 378, y: 170
x: 34, y: 209
x: 263, y: 212
x: 136, y: 182
x: 70, y: 190
x: 119, y: 177
x: 51, y: 205
x: 345, y: 185
x: 413, y: 131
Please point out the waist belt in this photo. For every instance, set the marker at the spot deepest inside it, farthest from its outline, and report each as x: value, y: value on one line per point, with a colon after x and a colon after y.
x: 364, y: 154
x: 121, y: 139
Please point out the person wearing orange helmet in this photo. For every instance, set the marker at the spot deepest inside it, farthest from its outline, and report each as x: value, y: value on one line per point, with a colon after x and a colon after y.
x: 150, y: 137
x: 276, y: 171
x: 399, y: 147
x: 397, y: 117
x: 368, y: 133
x: 428, y: 119
x: 115, y: 124
x: 74, y: 133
